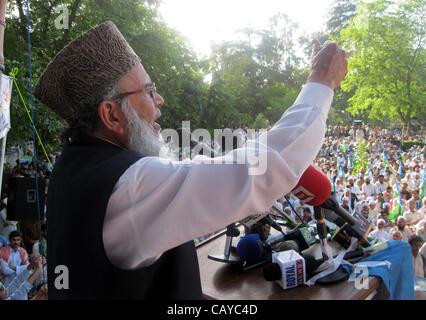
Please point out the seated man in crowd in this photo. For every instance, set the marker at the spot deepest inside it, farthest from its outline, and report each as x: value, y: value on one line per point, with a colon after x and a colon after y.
x: 373, y: 209
x: 354, y: 188
x: 421, y: 229
x: 380, y: 232
x: 345, y: 203
x: 381, y: 185
x: 388, y: 195
x: 396, y: 236
x: 412, y: 215
x: 401, y: 227
x: 419, y: 262
x: 380, y: 201
x: 417, y: 200
x: 368, y: 189
x: 384, y: 214
x: 365, y: 213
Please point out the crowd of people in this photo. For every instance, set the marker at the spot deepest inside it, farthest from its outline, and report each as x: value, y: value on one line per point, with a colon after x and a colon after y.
x: 372, y: 175
x: 23, y: 251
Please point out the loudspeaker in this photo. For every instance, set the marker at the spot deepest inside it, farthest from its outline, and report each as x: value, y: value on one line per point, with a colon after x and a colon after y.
x: 22, y: 201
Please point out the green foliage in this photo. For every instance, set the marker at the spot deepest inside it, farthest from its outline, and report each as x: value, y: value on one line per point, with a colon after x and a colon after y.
x: 407, y: 145
x: 279, y: 97
x: 361, y: 157
x: 385, y: 42
x: 261, y: 74
x: 260, y: 122
x: 340, y: 14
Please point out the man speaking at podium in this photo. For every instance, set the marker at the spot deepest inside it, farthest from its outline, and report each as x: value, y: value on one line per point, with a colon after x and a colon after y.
x: 122, y: 220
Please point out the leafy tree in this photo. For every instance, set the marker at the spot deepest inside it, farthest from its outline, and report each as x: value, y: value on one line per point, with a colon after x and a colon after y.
x: 385, y: 42
x: 279, y: 97
x: 260, y: 122
x: 340, y: 14
x: 259, y: 74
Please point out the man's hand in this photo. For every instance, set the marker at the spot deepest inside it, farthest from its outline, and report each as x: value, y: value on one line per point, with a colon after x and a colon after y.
x: 42, y: 293
x: 11, y: 266
x: 35, y: 261
x: 328, y: 64
x: 3, y: 292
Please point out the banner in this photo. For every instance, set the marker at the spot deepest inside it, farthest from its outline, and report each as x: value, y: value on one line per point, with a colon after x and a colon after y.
x: 5, y: 96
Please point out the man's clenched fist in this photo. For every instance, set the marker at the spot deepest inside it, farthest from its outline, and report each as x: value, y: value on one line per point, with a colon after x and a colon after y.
x: 328, y: 64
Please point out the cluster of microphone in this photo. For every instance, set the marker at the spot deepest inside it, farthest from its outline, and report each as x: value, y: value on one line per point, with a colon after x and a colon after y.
x: 258, y: 248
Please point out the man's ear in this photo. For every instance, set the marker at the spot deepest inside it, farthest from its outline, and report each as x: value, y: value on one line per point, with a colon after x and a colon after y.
x: 112, y: 116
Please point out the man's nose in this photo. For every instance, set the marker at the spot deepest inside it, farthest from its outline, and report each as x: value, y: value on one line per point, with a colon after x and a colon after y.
x: 159, y: 101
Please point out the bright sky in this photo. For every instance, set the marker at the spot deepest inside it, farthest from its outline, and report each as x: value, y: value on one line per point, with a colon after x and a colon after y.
x: 205, y: 21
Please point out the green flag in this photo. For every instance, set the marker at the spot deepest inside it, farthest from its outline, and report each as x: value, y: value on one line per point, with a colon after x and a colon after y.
x: 344, y: 147
x: 422, y: 185
x: 396, y: 212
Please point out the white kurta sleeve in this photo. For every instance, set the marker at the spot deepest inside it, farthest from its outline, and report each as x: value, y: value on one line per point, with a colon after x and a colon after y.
x: 157, y: 204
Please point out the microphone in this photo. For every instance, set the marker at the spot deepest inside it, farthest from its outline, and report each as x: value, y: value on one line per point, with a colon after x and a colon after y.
x: 301, y: 238
x: 314, y: 189
x: 251, y: 249
x: 271, y: 222
x: 255, y: 224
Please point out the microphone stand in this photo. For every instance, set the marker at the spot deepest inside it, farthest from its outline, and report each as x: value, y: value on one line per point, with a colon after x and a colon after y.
x: 231, y: 232
x: 322, y: 230
x: 339, y: 274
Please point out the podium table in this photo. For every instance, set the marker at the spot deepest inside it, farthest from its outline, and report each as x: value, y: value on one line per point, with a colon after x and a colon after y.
x: 221, y: 282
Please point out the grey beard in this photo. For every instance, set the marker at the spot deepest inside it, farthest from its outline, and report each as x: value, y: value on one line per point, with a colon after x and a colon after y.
x: 142, y: 136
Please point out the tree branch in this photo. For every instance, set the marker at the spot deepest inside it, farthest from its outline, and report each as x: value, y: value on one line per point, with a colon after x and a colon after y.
x: 70, y: 20
x: 22, y: 18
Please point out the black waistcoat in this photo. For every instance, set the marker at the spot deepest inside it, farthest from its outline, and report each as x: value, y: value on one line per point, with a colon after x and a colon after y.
x: 80, y: 186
